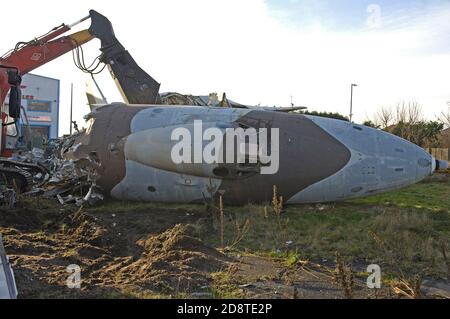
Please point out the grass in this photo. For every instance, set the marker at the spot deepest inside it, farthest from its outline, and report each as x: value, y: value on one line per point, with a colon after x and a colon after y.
x: 224, y: 286
x: 112, y: 206
x: 130, y: 293
x: 403, y: 231
x: 292, y: 259
x: 427, y: 195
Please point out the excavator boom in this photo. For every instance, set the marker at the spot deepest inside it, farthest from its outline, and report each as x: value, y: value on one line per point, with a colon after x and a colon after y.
x: 31, y: 55
x: 39, y: 53
x: 135, y: 85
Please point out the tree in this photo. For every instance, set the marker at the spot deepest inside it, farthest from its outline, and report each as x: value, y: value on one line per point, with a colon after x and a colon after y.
x: 424, y: 134
x: 369, y: 123
x: 384, y: 117
x: 445, y: 118
x: 406, y: 121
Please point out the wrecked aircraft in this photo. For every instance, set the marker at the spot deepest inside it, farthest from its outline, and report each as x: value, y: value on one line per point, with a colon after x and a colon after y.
x: 319, y: 159
x: 181, y: 148
x: 157, y: 151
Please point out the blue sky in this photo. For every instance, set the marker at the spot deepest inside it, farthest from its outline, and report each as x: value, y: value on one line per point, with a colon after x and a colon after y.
x: 265, y: 51
x: 350, y: 15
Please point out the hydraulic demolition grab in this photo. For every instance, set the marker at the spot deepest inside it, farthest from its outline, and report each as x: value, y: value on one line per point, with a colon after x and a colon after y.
x: 136, y: 86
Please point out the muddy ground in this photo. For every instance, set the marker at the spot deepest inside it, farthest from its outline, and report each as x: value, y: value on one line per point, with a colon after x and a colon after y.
x: 154, y: 251
x: 151, y: 253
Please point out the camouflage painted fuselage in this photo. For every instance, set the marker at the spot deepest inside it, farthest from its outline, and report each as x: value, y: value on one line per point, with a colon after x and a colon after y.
x: 320, y: 160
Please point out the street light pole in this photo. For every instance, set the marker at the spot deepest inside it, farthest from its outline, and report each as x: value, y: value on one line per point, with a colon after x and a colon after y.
x: 351, y: 101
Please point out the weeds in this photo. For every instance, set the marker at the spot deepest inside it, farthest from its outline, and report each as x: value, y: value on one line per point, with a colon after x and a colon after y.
x: 240, y: 232
x: 444, y: 249
x: 281, y: 234
x: 239, y: 229
x: 63, y: 228
x: 292, y: 259
x: 224, y: 286
x: 277, y: 202
x: 266, y: 212
x: 410, y: 288
x: 221, y: 222
x: 344, y: 277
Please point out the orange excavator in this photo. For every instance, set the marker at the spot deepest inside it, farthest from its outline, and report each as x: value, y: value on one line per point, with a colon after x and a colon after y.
x: 135, y: 85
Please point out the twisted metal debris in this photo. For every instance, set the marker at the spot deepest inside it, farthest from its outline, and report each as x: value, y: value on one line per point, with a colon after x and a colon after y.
x: 67, y: 180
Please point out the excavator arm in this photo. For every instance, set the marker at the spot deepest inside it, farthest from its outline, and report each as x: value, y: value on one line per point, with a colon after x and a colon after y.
x: 135, y: 85
x: 28, y: 56
x: 25, y: 57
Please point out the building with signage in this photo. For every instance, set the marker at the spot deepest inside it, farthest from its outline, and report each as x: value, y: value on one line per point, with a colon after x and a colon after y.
x: 40, y: 101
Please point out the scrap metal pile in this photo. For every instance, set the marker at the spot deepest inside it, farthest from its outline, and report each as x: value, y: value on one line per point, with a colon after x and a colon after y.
x: 67, y: 180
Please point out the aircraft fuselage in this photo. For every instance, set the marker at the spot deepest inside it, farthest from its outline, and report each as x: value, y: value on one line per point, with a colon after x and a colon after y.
x: 310, y: 159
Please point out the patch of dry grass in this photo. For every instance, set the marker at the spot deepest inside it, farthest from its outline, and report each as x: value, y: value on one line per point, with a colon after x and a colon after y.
x: 403, y: 239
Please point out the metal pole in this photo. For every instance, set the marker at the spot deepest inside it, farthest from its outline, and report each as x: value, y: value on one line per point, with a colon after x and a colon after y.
x: 71, y: 107
x: 78, y: 22
x: 351, y: 102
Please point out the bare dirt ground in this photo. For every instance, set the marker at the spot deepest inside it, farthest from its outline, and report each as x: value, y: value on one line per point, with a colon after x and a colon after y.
x: 120, y: 255
x: 269, y: 278
x: 148, y: 254
x: 154, y: 251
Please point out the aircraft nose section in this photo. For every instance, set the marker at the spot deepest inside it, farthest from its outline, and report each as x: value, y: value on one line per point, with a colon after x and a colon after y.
x: 402, y: 163
x: 425, y: 164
